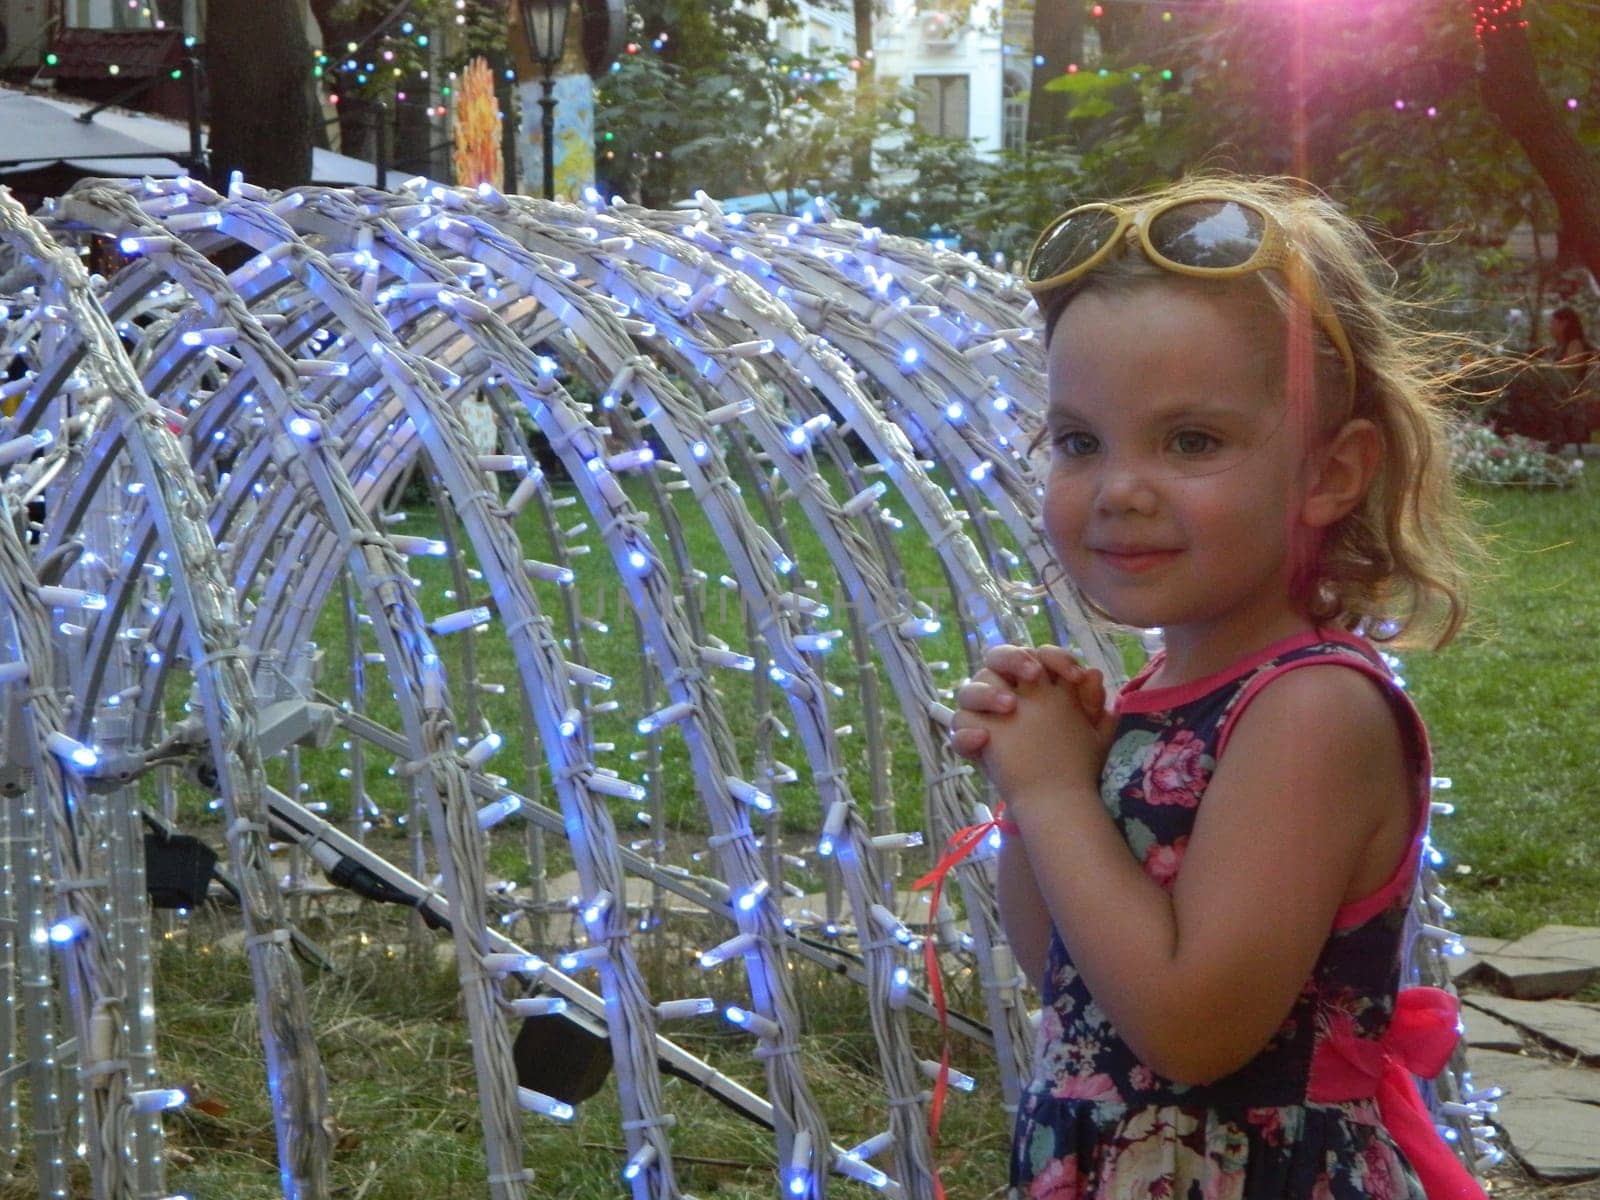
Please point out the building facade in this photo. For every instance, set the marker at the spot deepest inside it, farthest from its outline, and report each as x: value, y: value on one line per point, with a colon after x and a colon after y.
x: 971, y: 83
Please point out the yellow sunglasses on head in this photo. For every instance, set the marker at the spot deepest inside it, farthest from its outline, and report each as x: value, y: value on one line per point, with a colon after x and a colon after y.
x: 1208, y: 237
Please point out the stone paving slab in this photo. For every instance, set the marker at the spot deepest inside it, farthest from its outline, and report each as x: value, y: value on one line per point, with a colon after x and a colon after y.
x: 1464, y: 967
x: 1485, y: 1031
x: 1526, y: 1078
x: 1557, y: 1140
x: 1554, y: 960
x: 1568, y: 1023
x: 1558, y: 941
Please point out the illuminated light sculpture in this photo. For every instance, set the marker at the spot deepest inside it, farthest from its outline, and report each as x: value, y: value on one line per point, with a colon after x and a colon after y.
x: 745, y: 361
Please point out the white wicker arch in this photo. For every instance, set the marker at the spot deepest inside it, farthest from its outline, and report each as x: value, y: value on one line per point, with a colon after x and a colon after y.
x: 740, y: 362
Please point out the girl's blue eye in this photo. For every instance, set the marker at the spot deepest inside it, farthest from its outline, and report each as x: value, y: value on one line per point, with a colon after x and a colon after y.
x: 1075, y: 443
x: 1192, y: 441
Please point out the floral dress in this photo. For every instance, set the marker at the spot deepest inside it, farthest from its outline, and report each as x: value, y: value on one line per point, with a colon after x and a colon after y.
x: 1095, y: 1121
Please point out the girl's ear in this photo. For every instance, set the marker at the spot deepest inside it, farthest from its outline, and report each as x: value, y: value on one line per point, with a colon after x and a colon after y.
x: 1341, y: 473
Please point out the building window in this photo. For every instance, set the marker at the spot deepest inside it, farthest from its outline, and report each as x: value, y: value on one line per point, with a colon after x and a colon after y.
x: 942, y: 105
x: 1014, y: 113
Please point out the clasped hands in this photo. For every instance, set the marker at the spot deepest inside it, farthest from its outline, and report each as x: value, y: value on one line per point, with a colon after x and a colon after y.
x: 1035, y: 718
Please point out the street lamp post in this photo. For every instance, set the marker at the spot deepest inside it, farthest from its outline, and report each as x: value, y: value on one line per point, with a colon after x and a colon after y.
x: 545, y: 24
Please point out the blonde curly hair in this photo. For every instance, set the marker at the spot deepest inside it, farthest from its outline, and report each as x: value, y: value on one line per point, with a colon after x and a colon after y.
x: 1394, y: 567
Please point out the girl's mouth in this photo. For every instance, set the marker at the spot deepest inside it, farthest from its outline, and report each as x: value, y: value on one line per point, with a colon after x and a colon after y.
x: 1134, y: 560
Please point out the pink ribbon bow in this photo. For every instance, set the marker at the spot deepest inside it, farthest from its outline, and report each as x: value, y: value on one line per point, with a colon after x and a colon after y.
x: 1419, y: 1041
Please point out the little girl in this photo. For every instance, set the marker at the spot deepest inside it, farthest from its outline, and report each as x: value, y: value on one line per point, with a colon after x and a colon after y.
x: 1209, y: 883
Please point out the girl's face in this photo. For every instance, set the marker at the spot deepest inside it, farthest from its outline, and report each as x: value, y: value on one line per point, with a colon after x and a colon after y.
x: 1177, y: 467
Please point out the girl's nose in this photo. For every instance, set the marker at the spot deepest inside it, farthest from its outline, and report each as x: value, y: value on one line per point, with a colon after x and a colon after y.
x: 1124, y: 489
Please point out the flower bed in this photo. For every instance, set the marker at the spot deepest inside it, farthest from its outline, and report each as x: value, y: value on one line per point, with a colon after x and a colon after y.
x: 1482, y: 456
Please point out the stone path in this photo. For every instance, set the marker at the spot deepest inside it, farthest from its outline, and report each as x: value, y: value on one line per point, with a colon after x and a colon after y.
x: 1526, y: 1034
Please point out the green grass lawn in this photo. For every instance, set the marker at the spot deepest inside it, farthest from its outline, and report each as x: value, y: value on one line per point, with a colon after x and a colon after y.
x: 1509, y: 705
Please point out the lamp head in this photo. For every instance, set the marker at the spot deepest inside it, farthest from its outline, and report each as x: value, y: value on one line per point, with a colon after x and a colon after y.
x: 544, y: 22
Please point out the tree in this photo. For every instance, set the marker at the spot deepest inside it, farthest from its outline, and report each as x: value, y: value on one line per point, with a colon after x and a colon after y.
x: 703, y: 98
x: 258, y: 65
x: 1057, y: 45
x: 866, y: 66
x: 1390, y: 108
x: 1513, y: 91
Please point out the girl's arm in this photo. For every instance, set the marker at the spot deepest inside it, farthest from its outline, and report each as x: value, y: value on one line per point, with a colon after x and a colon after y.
x: 1311, y: 805
x: 1023, y: 913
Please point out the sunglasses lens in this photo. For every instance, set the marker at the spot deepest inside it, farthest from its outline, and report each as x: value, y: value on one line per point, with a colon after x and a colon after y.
x: 1208, y: 233
x: 1071, y: 243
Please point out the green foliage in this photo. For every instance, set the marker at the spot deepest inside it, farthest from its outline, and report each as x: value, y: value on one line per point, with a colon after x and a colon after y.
x: 707, y: 100
x: 1452, y: 183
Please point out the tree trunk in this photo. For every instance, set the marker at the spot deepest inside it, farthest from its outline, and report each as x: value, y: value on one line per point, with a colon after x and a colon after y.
x: 1512, y: 91
x: 1057, y: 43
x: 258, y: 62
x: 866, y: 97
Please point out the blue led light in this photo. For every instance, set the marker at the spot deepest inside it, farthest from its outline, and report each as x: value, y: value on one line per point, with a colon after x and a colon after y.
x: 68, y: 930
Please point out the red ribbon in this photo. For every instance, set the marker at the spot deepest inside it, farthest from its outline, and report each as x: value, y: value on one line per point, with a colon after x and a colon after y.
x: 959, y: 848
x: 1419, y: 1041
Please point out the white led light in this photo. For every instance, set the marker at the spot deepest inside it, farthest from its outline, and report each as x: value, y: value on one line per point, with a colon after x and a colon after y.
x: 66, y: 597
x: 741, y: 943
x: 610, y: 785
x: 499, y: 963
x: 455, y: 622
x: 747, y: 793
x: 957, y: 1079
x: 492, y: 814
x: 640, y: 1162
x: 431, y: 547
x: 874, y: 1145
x: 483, y: 751
x: 748, y: 899
x: 838, y: 811
x: 674, y: 1010
x: 578, y: 960
x: 549, y: 572
x: 631, y: 460
x: 18, y: 448
x: 150, y: 1100
x: 762, y: 1027
x: 799, y: 1173
x: 537, y: 1006
x: 548, y: 1106
x: 665, y: 716
x: 73, y: 752
x: 849, y: 1164
x: 730, y: 412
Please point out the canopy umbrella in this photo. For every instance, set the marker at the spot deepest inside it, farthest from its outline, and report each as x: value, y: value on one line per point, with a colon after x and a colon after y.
x: 37, y: 131
x: 45, y: 136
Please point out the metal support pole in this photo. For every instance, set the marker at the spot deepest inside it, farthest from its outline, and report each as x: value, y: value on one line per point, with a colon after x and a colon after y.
x: 548, y: 123
x: 380, y: 135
